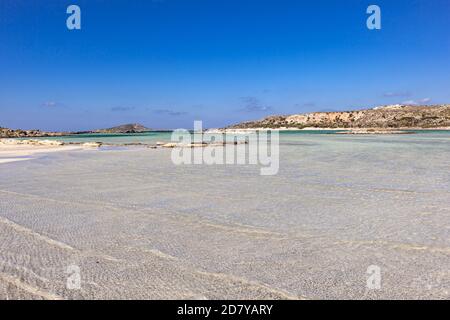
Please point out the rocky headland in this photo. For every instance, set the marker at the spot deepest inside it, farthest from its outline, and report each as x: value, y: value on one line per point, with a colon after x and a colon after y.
x: 385, y: 118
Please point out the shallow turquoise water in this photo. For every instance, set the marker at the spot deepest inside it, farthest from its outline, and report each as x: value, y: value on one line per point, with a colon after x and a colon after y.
x: 140, y: 226
x: 285, y: 136
x: 147, y: 138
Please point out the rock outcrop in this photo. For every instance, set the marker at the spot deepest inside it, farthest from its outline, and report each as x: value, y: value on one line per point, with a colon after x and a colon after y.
x: 18, y: 133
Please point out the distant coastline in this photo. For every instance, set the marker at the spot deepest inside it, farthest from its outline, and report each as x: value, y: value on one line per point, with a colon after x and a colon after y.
x: 19, y: 133
x: 384, y: 118
x: 379, y: 120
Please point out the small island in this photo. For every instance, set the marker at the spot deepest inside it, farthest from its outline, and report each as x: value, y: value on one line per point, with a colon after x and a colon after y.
x: 19, y: 133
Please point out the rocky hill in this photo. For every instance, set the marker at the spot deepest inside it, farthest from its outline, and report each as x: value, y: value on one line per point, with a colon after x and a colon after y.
x: 126, y: 128
x: 392, y: 116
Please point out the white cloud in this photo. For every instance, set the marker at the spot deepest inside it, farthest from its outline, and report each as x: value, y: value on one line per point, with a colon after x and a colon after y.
x: 416, y: 102
x: 252, y: 104
x: 397, y: 94
x: 170, y: 112
x: 122, y: 108
x: 50, y: 104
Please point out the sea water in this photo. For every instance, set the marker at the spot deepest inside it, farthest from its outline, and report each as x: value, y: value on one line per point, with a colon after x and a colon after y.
x: 139, y: 226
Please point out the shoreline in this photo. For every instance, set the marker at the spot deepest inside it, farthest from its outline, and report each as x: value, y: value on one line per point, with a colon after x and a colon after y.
x: 232, y: 130
x: 17, y: 149
x: 12, y: 150
x: 402, y: 130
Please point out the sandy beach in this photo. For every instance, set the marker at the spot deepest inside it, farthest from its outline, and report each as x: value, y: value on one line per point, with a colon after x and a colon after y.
x: 10, y: 152
x: 20, y: 150
x: 137, y: 226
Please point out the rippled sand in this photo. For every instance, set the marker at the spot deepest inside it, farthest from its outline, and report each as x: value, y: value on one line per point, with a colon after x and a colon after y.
x: 140, y: 227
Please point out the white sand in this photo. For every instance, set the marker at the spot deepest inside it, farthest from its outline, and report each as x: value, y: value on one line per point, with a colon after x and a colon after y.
x: 12, y: 152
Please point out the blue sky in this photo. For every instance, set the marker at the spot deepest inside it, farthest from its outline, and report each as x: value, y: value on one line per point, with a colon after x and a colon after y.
x: 165, y: 63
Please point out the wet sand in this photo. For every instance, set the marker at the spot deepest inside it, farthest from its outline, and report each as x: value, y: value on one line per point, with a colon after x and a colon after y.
x: 138, y: 226
x: 10, y: 151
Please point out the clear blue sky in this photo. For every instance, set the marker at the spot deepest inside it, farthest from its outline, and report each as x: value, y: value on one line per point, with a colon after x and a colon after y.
x: 165, y: 63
